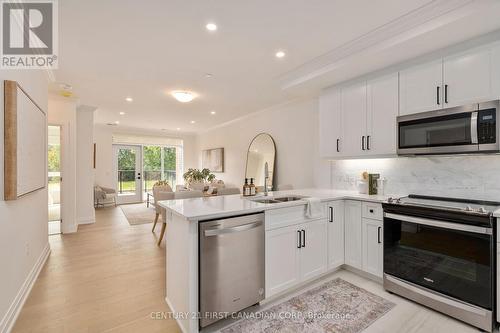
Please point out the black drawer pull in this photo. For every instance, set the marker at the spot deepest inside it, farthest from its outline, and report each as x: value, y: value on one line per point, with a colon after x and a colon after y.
x: 371, y: 211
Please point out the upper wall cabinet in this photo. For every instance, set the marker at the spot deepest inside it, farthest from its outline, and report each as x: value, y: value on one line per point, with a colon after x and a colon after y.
x: 330, y: 124
x: 382, y: 110
x: 354, y: 119
x: 420, y: 88
x: 495, y: 78
x: 467, y: 78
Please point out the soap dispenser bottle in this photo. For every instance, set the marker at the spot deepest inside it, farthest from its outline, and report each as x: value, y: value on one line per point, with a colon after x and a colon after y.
x: 246, y: 188
x: 252, y: 187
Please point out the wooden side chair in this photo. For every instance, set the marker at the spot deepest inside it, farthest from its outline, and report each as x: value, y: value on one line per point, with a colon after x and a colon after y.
x: 161, y: 192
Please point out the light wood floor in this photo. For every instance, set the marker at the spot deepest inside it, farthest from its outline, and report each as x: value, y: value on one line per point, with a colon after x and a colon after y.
x: 108, y: 277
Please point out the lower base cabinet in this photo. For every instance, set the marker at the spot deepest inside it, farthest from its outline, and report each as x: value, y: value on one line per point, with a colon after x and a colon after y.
x: 335, y: 234
x: 352, y: 236
x: 294, y: 254
x: 373, y: 246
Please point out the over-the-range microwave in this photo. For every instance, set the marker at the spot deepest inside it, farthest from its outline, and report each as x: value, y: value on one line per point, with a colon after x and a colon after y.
x: 464, y: 129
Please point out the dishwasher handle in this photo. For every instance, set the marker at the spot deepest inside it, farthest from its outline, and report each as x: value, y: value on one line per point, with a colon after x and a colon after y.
x: 244, y: 227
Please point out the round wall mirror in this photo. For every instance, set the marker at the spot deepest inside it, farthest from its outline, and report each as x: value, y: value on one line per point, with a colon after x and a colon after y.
x: 262, y: 150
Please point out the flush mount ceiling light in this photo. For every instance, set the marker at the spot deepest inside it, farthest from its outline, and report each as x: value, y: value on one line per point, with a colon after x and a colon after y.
x: 129, y: 99
x: 280, y: 54
x: 183, y: 96
x: 211, y: 27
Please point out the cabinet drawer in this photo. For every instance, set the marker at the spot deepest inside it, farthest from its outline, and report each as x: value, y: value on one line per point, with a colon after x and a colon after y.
x: 283, y: 217
x: 372, y: 210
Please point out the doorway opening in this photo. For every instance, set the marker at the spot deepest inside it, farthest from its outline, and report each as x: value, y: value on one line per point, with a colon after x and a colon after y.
x: 54, y: 178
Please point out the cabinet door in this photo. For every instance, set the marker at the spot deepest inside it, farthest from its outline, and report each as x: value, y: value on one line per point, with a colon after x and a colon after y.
x: 353, y: 103
x: 314, y: 254
x: 467, y: 78
x: 335, y: 234
x: 418, y: 88
x: 372, y: 247
x: 282, y: 259
x: 352, y: 225
x: 495, y: 74
x: 330, y: 124
x: 382, y: 110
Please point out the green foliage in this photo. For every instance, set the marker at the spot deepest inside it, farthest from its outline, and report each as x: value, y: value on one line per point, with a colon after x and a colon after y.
x: 195, y: 175
x: 54, y: 158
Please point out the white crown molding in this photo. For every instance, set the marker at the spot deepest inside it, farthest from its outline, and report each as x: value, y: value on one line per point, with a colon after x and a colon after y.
x: 429, y: 17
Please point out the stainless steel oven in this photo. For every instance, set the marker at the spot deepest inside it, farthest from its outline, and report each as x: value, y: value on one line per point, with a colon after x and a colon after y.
x: 442, y: 256
x: 465, y: 129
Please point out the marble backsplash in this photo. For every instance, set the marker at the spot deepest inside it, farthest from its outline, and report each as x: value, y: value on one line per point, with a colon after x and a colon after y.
x: 464, y: 176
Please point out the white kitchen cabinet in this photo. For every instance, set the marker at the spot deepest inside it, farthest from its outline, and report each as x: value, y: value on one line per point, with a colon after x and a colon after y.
x: 335, y: 234
x: 420, y: 88
x: 495, y: 74
x: 372, y: 246
x: 466, y: 77
x: 314, y: 253
x: 382, y: 110
x: 353, y: 238
x: 353, y: 104
x: 282, y: 259
x: 330, y: 124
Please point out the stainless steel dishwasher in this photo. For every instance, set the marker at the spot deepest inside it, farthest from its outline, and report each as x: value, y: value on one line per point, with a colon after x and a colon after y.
x: 231, y: 265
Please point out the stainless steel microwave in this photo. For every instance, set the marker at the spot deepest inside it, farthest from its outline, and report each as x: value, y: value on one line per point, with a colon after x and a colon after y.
x: 464, y: 129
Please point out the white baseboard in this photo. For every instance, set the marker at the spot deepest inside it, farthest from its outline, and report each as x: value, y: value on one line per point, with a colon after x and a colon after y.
x: 10, y: 317
x: 179, y: 322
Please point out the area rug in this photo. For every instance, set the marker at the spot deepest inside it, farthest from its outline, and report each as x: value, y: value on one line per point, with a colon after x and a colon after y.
x: 335, y: 306
x: 138, y: 213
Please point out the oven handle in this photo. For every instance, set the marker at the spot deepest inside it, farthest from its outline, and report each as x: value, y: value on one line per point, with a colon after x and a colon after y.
x: 440, y: 224
x: 473, y: 128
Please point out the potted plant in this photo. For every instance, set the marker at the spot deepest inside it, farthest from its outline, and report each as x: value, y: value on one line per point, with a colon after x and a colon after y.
x: 197, y: 179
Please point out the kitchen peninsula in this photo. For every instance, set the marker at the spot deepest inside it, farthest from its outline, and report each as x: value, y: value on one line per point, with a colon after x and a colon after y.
x: 321, y: 238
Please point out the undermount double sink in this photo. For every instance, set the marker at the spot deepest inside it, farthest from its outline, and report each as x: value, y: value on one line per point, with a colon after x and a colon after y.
x: 278, y: 199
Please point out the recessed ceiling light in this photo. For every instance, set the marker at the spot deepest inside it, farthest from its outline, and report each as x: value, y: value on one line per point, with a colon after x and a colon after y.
x: 212, y: 112
x: 280, y: 54
x: 192, y: 121
x: 208, y: 75
x: 129, y: 99
x: 122, y: 113
x: 183, y: 96
x: 117, y: 122
x: 211, y: 27
x: 178, y: 128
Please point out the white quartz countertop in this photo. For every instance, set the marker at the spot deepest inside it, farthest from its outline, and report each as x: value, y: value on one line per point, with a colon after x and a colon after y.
x: 197, y: 209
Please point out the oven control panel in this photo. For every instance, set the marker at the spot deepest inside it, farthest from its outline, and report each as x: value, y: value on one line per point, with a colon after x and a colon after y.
x: 486, y: 126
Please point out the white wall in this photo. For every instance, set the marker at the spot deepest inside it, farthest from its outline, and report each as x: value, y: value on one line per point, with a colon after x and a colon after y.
x: 23, y: 222
x: 294, y: 127
x: 85, y: 212
x: 103, y: 137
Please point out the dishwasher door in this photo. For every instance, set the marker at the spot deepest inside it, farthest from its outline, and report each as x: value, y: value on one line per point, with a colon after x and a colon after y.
x: 232, y: 264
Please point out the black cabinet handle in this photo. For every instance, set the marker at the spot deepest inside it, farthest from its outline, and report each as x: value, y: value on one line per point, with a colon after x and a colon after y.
x: 338, y: 151
x: 368, y: 142
x: 299, y: 239
x: 371, y: 211
x: 378, y: 231
x: 363, y: 142
x: 303, y: 238
x: 438, y: 99
x: 446, y: 93
x: 331, y: 214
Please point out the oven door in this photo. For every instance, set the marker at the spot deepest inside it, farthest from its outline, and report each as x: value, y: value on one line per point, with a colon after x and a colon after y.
x: 452, y: 259
x: 434, y: 133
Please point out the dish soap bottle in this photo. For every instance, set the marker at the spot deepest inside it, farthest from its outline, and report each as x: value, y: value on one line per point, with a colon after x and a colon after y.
x: 252, y: 187
x: 246, y: 188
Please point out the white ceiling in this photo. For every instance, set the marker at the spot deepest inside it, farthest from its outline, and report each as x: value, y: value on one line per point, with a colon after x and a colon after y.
x: 144, y: 49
